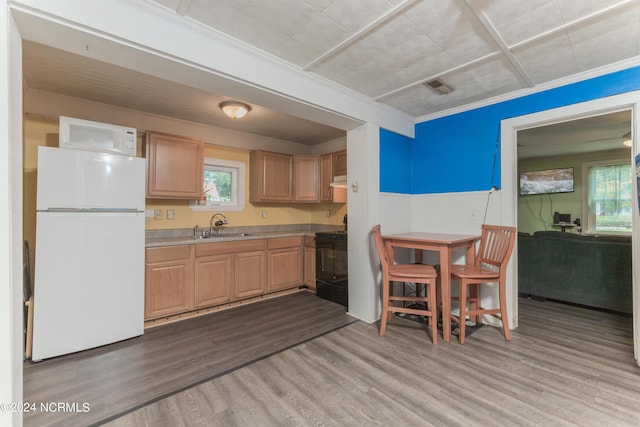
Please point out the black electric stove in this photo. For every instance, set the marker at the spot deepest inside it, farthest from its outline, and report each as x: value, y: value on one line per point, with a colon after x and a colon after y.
x: 332, y: 270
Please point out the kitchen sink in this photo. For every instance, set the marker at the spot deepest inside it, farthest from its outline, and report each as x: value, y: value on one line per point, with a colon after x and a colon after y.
x: 222, y: 235
x: 228, y: 235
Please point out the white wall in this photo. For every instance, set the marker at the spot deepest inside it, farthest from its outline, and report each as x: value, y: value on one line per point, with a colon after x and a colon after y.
x: 363, y: 146
x: 463, y: 213
x: 10, y: 220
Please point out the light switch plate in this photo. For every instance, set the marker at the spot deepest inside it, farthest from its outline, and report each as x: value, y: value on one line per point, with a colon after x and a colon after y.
x: 171, y: 214
x: 157, y: 214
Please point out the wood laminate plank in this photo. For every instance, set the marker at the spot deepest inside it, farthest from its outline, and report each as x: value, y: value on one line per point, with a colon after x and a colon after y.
x: 122, y: 376
x: 565, y: 366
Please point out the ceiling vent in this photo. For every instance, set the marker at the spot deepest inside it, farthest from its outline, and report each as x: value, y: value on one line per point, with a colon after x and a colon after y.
x: 439, y: 86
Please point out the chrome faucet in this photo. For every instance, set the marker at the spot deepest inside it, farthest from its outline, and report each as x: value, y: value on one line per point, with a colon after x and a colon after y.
x: 218, y: 224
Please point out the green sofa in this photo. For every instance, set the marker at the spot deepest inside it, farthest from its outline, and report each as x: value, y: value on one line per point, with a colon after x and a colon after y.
x: 595, y: 271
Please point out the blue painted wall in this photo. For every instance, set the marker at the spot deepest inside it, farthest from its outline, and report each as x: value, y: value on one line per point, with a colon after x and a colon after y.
x: 456, y: 153
x: 395, y: 162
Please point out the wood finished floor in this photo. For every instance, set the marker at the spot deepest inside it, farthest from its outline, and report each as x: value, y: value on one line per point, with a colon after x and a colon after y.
x: 123, y: 376
x: 565, y: 366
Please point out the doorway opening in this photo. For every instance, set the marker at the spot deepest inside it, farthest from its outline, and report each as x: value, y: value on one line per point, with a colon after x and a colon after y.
x: 510, y: 129
x: 574, y: 212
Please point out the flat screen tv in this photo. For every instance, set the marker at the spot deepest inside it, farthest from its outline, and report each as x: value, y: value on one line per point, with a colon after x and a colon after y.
x: 546, y: 181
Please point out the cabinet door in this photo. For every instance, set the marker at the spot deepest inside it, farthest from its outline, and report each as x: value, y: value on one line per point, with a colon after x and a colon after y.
x: 174, y: 166
x: 326, y: 176
x: 285, y: 268
x: 250, y: 274
x: 310, y: 262
x: 340, y: 163
x: 271, y: 177
x: 306, y: 186
x: 213, y: 280
x: 167, y: 288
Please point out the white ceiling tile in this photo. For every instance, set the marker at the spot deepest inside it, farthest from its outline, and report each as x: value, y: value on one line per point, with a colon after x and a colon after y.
x: 414, y: 50
x: 319, y: 5
x: 321, y: 35
x: 394, y: 33
x: 489, y: 75
x: 548, y: 59
x: 606, y: 41
x: 348, y: 77
x: 452, y: 28
x: 237, y: 23
x: 516, y: 21
x: 293, y: 13
x: 296, y: 52
x: 493, y: 78
x: 575, y: 9
x: 356, y: 14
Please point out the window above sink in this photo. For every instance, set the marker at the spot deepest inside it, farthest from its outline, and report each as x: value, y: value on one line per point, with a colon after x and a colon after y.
x: 223, y: 185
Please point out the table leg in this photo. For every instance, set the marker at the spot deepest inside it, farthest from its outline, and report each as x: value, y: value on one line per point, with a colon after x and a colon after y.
x: 471, y: 254
x: 445, y: 282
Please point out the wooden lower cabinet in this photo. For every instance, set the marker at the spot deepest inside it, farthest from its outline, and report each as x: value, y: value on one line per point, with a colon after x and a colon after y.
x: 284, y: 257
x: 168, y: 281
x: 213, y: 280
x: 250, y: 270
x: 230, y: 270
x: 309, y: 273
x: 179, y: 279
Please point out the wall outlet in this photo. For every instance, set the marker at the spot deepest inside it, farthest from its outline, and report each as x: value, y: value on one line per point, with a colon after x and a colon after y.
x: 171, y: 214
x: 328, y: 213
x: 264, y: 213
x: 157, y: 214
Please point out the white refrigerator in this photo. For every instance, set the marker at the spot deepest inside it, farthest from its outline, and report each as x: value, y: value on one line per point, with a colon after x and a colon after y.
x: 89, y: 255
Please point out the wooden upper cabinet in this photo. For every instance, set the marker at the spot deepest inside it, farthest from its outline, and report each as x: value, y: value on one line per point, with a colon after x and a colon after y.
x: 340, y: 163
x: 326, y: 176
x: 306, y: 186
x: 271, y: 177
x: 174, y: 166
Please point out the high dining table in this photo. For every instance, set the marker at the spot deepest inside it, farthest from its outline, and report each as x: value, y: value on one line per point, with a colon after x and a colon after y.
x: 444, y: 244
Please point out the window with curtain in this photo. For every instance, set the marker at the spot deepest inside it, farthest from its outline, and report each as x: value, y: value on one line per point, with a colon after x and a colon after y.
x: 610, y: 198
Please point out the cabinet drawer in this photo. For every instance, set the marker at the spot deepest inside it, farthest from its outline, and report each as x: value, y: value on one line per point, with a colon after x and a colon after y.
x: 229, y: 247
x: 284, y: 242
x: 168, y: 253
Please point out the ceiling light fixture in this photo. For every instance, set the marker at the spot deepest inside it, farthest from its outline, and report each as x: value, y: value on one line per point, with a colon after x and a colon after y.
x: 626, y: 139
x: 235, y: 109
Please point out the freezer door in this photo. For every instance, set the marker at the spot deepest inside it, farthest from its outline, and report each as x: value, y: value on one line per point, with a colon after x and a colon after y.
x: 89, y: 281
x: 84, y: 179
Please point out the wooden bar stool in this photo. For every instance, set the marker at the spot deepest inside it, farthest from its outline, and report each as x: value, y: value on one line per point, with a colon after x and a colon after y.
x: 420, y: 274
x: 496, y: 246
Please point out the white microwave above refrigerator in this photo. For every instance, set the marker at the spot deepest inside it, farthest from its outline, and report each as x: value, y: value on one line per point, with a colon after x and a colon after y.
x: 87, y: 135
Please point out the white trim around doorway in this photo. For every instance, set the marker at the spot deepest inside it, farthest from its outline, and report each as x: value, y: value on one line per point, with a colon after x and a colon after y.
x: 509, y: 165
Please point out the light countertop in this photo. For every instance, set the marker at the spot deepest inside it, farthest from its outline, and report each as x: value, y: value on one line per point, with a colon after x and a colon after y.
x: 172, y: 237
